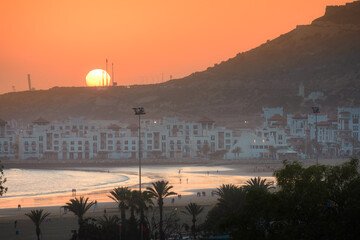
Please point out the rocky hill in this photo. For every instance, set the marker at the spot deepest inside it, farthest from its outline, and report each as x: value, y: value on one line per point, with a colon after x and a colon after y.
x: 323, y: 56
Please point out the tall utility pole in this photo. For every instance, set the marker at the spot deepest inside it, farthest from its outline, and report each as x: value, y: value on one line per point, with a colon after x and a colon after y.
x: 103, y: 78
x: 140, y: 111
x: 106, y: 78
x: 112, y: 74
x: 29, y: 82
x: 316, y: 111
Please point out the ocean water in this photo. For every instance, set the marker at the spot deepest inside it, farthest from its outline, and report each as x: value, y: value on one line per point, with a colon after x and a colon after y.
x: 24, y: 183
x: 32, y: 182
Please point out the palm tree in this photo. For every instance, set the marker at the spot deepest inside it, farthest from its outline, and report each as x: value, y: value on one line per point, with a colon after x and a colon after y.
x: 236, y: 151
x: 225, y: 188
x: 257, y: 182
x: 37, y: 216
x: 109, y: 226
x: 134, y: 202
x: 121, y: 195
x: 79, y: 207
x: 193, y: 210
x: 159, y: 191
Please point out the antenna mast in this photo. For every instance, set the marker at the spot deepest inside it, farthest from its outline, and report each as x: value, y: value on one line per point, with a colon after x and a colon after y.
x: 106, y: 70
x: 29, y: 82
x: 112, y: 73
x: 102, y: 78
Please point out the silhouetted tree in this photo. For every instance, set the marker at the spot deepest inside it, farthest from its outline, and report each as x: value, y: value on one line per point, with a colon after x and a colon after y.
x: 257, y: 182
x: 109, y: 227
x: 159, y: 191
x: 3, y: 189
x: 236, y: 151
x: 79, y: 207
x: 37, y: 217
x: 317, y: 202
x: 193, y: 210
x: 121, y: 195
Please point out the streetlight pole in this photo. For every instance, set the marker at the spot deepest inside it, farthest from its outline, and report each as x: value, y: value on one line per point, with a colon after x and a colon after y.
x: 140, y: 111
x: 316, y: 110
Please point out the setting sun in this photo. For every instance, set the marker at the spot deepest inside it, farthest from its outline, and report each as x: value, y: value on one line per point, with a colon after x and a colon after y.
x: 97, y: 77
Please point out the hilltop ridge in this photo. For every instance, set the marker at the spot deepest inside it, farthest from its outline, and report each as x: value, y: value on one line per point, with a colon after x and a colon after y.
x: 323, y: 57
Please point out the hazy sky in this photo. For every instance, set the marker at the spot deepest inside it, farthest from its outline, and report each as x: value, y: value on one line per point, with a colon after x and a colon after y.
x: 59, y: 42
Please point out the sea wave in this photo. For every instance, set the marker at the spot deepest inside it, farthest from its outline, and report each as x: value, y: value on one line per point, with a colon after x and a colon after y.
x: 35, y: 182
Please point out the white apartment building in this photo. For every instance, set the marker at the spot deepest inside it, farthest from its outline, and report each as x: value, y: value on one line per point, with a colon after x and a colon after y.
x: 80, y: 139
x: 8, y: 146
x: 279, y: 137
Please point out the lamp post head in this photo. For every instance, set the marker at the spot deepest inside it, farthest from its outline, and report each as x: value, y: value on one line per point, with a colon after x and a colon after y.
x: 139, y: 111
x: 316, y: 109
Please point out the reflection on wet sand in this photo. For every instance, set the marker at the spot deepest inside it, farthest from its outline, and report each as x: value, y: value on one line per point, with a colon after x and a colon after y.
x: 186, y: 181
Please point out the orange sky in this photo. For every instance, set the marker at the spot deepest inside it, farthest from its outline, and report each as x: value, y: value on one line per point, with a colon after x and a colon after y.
x: 59, y: 42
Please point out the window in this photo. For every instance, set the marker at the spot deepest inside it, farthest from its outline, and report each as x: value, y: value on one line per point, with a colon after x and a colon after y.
x: 94, y: 138
x: 72, y: 142
x: 149, y: 135
x: 227, y: 135
x: 79, y: 142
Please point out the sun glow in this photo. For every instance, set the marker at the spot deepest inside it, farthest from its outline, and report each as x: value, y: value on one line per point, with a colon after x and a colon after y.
x: 97, y: 77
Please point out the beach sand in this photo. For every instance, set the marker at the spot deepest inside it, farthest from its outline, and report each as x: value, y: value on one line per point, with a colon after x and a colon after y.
x: 191, y: 183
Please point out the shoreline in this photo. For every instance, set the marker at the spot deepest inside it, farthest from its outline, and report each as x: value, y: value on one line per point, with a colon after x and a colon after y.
x: 58, y: 164
x: 151, y: 171
x: 59, y: 226
x: 233, y: 171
